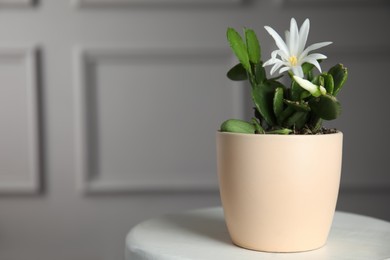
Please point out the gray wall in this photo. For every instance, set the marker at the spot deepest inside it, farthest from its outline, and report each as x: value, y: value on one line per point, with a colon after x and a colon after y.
x: 108, y: 112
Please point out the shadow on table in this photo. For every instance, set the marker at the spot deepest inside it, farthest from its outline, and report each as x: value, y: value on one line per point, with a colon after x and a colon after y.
x: 201, y: 224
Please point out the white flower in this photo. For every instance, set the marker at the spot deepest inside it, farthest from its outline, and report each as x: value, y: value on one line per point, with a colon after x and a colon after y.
x: 292, y: 53
x: 312, y: 88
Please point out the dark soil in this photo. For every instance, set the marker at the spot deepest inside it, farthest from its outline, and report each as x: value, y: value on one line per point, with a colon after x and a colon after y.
x: 322, y: 131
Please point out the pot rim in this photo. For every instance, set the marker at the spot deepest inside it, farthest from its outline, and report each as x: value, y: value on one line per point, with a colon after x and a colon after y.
x: 279, y: 136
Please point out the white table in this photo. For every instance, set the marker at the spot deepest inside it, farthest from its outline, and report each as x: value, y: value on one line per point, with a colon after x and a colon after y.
x: 202, y: 234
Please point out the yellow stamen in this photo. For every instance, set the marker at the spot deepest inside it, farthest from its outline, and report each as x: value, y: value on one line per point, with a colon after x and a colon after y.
x: 293, y: 60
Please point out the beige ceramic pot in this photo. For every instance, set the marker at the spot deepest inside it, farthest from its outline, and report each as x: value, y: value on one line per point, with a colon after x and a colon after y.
x: 279, y: 192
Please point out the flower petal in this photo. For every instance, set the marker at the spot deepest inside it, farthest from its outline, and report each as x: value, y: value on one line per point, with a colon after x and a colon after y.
x: 276, y: 67
x: 269, y: 62
x: 298, y: 71
x: 316, y: 56
x: 272, y: 61
x: 287, y: 36
x: 315, y: 63
x: 312, y: 47
x: 278, y: 40
x: 274, y: 54
x: 284, y: 69
x: 303, y: 34
x: 294, y: 37
x: 282, y: 55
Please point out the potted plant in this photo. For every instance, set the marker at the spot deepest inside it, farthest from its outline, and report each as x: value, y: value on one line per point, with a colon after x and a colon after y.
x: 279, y: 174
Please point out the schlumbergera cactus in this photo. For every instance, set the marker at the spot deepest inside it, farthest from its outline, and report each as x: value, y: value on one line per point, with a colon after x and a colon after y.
x: 297, y: 109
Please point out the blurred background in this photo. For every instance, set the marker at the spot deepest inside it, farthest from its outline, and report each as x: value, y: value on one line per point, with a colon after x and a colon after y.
x: 109, y: 109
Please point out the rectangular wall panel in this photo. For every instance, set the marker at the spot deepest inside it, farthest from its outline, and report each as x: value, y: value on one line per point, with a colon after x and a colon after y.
x: 147, y: 119
x: 19, y: 139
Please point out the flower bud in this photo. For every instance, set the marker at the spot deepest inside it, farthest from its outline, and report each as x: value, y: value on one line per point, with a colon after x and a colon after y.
x: 315, y: 90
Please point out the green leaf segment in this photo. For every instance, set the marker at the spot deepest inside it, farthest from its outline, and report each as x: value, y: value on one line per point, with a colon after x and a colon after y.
x: 239, y: 48
x: 280, y: 109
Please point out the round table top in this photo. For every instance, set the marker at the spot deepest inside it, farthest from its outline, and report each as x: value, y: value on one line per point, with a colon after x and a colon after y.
x: 202, y: 234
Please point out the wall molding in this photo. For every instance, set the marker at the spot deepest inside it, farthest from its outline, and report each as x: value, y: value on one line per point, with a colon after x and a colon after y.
x: 130, y: 3
x: 28, y: 56
x: 89, y: 183
x: 87, y: 180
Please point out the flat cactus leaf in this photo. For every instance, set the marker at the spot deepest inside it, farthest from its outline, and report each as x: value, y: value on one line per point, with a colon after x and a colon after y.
x: 285, y: 114
x: 296, y: 91
x: 305, y: 94
x: 278, y: 102
x: 237, y: 73
x: 262, y: 96
x: 296, y: 120
x: 326, y: 107
x: 239, y: 48
x: 316, y: 80
x: 315, y: 123
x: 298, y: 105
x: 237, y: 126
x: 282, y: 131
x: 309, y: 75
x: 329, y: 83
x: 260, y: 75
x: 302, y: 121
x: 253, y: 46
x: 340, y: 75
x: 307, y: 67
x: 258, y: 128
x: 321, y: 80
